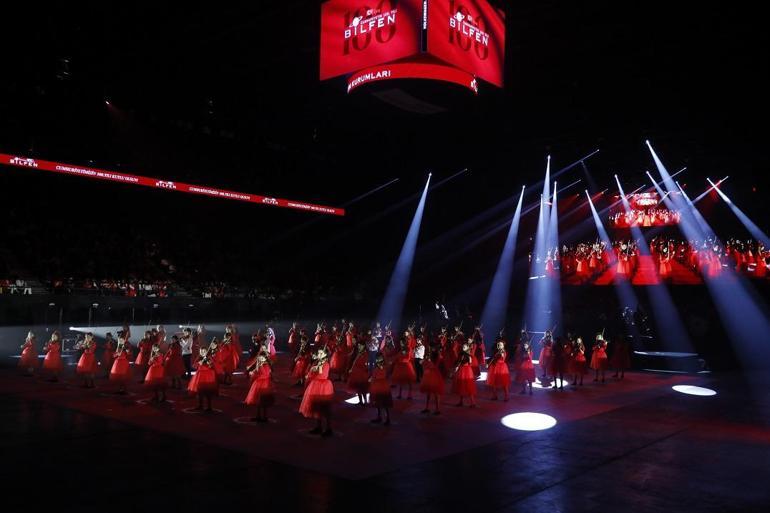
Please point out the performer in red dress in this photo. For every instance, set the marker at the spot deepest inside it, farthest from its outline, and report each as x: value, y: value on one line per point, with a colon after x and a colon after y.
x: 53, y: 362
x: 403, y: 371
x: 108, y: 354
x: 261, y: 390
x: 173, y: 363
x: 599, y: 356
x: 380, y: 391
x: 225, y: 360
x: 204, y: 384
x: 121, y: 368
x: 498, y: 375
x: 665, y: 263
x: 87, y: 364
x: 578, y: 363
x: 546, y: 353
x: 621, y: 357
x: 358, y: 377
x: 237, y: 349
x: 302, y: 361
x: 432, y: 384
x: 292, y: 341
x: 340, y: 357
x: 29, y: 360
x: 143, y: 358
x: 464, y: 382
x: 525, y: 374
x: 319, y: 393
x: 155, y: 379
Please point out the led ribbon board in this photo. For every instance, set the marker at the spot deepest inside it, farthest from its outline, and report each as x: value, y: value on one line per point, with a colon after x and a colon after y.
x: 114, y: 176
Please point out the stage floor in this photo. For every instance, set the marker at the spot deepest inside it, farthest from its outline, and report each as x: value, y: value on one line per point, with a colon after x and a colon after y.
x: 633, y: 444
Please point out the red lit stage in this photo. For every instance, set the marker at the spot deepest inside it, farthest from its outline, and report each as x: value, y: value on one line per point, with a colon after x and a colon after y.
x: 359, y: 449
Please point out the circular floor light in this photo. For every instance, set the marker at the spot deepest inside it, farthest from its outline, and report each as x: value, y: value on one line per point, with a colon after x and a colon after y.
x: 693, y: 390
x: 528, y: 421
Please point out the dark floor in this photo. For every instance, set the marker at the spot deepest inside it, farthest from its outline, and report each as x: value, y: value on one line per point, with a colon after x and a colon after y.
x: 642, y: 449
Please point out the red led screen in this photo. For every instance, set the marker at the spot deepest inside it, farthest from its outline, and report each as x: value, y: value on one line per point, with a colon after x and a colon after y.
x: 357, y: 34
x: 470, y: 35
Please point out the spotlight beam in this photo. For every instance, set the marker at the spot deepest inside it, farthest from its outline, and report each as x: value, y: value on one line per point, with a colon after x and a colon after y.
x: 755, y: 231
x: 493, y: 315
x: 392, y: 305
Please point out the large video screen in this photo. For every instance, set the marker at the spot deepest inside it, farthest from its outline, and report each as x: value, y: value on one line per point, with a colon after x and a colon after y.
x: 644, y: 210
x: 663, y: 260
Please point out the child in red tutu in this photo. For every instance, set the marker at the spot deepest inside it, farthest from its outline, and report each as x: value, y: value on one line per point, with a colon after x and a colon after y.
x: 525, y: 373
x: 52, y: 362
x: 107, y: 354
x: 143, y: 357
x: 204, y: 384
x: 28, y: 361
x: 380, y: 391
x: 155, y: 379
x: 578, y: 363
x: 464, y: 382
x: 358, y: 377
x: 317, y: 400
x: 403, y: 371
x: 261, y: 390
x: 339, y: 362
x: 87, y: 363
x: 302, y: 361
x: 173, y: 363
x: 599, y: 356
x: 121, y: 367
x: 432, y: 383
x: 498, y: 375
x: 621, y: 357
x: 225, y: 359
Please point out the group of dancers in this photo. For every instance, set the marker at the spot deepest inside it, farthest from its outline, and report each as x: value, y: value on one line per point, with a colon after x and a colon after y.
x: 373, y: 363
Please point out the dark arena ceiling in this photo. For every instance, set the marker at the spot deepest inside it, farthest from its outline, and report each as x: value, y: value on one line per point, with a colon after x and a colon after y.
x: 231, y: 98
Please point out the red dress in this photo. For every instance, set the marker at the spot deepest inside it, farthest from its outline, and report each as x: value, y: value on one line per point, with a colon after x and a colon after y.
x: 599, y: 358
x: 261, y: 391
x: 358, y: 380
x: 224, y: 360
x: 578, y: 363
x: 318, y: 393
x: 498, y: 375
x: 155, y: 377
x: 205, y: 380
x: 403, y: 370
x: 28, y: 358
x: 545, y: 357
x: 301, y: 367
x: 464, y: 382
x: 173, y: 362
x: 526, y: 370
x: 52, y: 361
x: 87, y: 362
x: 432, y: 379
x: 145, y: 346
x: 379, y: 391
x: 120, y: 370
x: 339, y: 361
